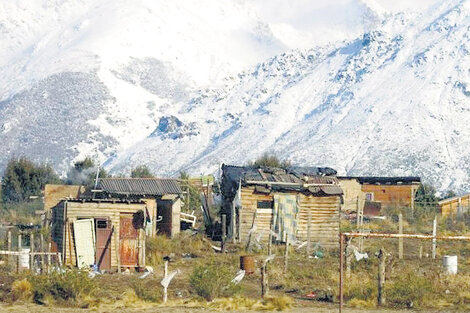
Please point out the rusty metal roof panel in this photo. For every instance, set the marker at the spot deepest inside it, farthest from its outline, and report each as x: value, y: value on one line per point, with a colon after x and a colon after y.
x: 140, y: 186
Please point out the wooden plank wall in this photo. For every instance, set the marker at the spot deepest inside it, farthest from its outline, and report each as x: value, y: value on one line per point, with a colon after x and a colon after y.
x: 76, y: 210
x: 325, y: 220
x: 53, y: 194
x: 451, y: 207
x: 395, y: 196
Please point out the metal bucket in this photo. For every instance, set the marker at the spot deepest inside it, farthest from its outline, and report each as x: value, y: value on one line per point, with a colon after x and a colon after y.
x: 450, y: 264
x: 24, y: 258
x: 247, y: 263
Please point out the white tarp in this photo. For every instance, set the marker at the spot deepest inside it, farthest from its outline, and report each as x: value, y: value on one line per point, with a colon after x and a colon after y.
x: 84, y: 233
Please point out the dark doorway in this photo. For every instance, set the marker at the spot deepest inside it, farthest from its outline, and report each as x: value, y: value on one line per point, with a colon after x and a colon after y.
x: 164, y: 209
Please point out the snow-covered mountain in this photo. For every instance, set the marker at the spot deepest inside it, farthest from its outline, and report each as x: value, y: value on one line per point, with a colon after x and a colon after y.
x: 93, y: 77
x: 184, y: 85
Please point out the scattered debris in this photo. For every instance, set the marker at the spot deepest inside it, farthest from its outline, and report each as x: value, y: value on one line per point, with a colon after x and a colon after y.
x: 148, y: 271
x: 238, y: 278
x: 359, y: 256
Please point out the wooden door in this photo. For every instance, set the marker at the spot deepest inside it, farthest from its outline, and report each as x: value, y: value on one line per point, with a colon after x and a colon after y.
x: 103, y: 243
x: 128, y: 241
x: 84, y: 234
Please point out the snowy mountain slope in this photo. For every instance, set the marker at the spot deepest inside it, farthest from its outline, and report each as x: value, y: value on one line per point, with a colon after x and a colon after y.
x: 393, y: 102
x: 115, y: 67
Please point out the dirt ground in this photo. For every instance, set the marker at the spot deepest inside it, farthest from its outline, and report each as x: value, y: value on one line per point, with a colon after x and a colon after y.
x: 299, y: 308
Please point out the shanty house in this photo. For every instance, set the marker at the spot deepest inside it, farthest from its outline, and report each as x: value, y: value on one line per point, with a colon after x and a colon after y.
x: 383, y: 192
x: 455, y: 205
x: 162, y: 198
x: 54, y: 194
x: 353, y: 196
x: 287, y: 202
x: 106, y: 233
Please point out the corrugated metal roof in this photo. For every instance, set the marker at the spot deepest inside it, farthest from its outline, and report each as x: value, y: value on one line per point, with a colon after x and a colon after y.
x: 140, y: 186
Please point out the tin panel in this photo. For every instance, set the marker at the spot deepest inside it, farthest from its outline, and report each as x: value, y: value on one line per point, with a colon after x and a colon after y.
x: 128, y: 241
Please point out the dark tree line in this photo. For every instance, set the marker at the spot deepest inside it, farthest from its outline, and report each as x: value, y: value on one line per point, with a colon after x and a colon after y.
x: 24, y: 179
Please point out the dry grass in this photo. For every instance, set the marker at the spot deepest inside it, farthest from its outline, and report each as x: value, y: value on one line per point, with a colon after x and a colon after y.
x: 238, y: 303
x: 21, y: 290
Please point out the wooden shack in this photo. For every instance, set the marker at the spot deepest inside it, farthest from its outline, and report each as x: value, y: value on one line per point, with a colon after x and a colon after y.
x: 455, y: 205
x: 353, y: 196
x: 162, y: 196
x: 108, y: 234
x: 54, y: 194
x: 283, y: 201
x: 384, y: 192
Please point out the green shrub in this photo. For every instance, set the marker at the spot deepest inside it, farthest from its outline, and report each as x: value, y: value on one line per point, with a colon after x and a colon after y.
x: 147, y: 290
x: 408, y: 290
x: 213, y: 280
x: 68, y: 286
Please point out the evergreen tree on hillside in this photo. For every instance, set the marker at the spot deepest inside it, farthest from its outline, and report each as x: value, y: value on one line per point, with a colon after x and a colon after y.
x: 269, y: 160
x: 23, y: 179
x: 84, y: 173
x: 141, y: 171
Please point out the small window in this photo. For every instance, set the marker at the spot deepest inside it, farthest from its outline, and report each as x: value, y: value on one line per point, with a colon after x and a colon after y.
x: 101, y: 224
x: 265, y: 204
x: 369, y: 196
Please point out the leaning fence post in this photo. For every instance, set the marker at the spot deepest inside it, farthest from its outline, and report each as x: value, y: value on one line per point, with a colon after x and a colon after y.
x: 434, y: 241
x: 400, y: 240
x: 264, y: 276
x: 381, y: 278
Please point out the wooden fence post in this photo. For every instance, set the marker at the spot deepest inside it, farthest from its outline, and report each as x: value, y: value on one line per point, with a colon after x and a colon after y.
x: 250, y: 235
x: 43, y: 257
x: 224, y: 231
x: 31, y: 255
x: 309, y: 231
x: 400, y: 240
x: 434, y: 234
x: 9, y: 248
x: 19, y: 251
x: 234, y: 224
x: 381, y: 278
x: 348, y: 257
x: 165, y: 289
x: 264, y: 282
x: 286, y: 255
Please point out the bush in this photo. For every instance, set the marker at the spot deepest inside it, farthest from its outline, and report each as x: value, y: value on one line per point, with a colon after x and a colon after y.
x: 408, y: 290
x: 213, y: 280
x: 68, y: 286
x: 146, y: 292
x: 21, y: 290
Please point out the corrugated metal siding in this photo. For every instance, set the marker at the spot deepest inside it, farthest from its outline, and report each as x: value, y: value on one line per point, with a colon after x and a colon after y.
x: 140, y: 186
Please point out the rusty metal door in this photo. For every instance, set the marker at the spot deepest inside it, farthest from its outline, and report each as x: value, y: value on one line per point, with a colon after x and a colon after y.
x: 104, y: 233
x: 128, y: 241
